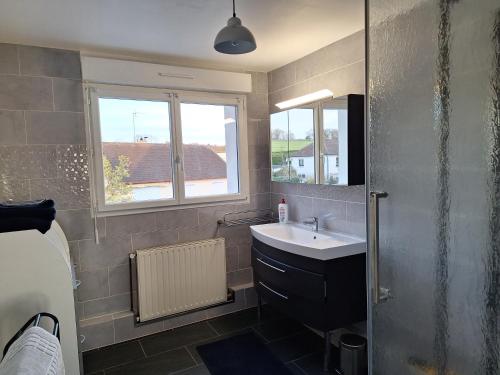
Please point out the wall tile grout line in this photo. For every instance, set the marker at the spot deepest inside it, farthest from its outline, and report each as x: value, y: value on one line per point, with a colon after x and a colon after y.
x: 25, y: 127
x: 18, y: 53
x: 109, y: 286
x: 38, y: 76
x: 53, y: 96
x: 316, y: 76
x: 46, y: 111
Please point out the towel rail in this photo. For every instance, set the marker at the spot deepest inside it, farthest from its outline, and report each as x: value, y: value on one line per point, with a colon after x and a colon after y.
x: 35, y: 320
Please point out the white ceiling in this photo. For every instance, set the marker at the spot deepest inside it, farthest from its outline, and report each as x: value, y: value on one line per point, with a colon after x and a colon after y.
x: 181, y: 31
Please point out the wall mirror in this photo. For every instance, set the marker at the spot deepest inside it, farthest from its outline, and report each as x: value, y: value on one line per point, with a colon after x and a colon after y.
x: 319, y: 143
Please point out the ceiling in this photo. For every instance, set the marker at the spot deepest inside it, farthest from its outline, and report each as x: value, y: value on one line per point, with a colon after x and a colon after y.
x: 181, y: 31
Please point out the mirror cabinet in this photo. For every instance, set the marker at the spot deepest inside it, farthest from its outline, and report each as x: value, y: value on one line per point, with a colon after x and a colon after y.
x: 320, y: 142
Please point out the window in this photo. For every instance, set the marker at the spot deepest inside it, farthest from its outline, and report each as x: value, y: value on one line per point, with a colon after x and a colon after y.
x: 153, y: 148
x: 309, y: 143
x: 292, y: 143
x: 210, y: 149
x: 334, y: 141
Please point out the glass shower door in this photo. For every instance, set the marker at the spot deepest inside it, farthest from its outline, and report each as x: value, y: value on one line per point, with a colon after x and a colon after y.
x: 433, y: 140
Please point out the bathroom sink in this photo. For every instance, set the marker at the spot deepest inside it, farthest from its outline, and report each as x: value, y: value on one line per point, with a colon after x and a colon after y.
x: 301, y: 240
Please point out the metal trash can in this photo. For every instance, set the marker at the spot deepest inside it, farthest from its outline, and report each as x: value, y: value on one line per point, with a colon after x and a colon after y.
x: 353, y: 357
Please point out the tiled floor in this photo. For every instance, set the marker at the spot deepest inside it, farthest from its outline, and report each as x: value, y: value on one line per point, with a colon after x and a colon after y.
x: 174, y: 352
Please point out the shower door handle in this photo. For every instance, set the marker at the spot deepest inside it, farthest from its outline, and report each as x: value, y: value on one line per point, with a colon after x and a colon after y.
x: 378, y: 294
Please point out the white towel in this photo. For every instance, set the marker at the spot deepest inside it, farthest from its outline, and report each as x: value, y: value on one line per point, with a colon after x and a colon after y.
x: 36, y: 352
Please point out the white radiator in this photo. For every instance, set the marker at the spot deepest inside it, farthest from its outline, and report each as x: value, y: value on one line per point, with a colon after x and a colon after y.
x: 178, y: 278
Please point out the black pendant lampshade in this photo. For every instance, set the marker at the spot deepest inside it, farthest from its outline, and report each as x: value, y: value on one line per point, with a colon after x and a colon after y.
x: 235, y: 38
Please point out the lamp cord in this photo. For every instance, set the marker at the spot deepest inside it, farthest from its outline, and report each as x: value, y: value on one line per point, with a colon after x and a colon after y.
x: 234, y: 10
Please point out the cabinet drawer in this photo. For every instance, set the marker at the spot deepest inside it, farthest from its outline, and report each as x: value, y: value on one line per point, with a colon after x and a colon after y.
x: 309, y: 312
x: 287, y: 278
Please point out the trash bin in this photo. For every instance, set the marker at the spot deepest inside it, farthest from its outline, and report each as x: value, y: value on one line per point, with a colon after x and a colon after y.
x: 353, y: 358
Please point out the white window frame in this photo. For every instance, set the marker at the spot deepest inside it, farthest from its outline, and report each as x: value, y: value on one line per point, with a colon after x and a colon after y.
x: 174, y: 98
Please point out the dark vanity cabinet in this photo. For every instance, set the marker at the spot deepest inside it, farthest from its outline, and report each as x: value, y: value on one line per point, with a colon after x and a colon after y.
x: 322, y: 294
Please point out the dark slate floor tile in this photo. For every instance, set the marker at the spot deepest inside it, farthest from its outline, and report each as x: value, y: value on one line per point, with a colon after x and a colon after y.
x: 278, y: 329
x: 192, y: 348
x: 294, y: 369
x: 243, y: 319
x: 160, y: 364
x: 175, y: 350
x: 296, y: 346
x: 176, y: 338
x: 197, y: 370
x: 100, y: 359
x: 313, y: 363
x: 234, y: 322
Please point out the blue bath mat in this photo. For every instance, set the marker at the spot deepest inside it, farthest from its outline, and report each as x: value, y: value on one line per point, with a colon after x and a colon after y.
x: 243, y: 355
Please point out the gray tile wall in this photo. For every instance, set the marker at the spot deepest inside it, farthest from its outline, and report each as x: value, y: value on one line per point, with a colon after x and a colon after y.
x: 340, y: 68
x: 43, y: 154
x: 339, y: 208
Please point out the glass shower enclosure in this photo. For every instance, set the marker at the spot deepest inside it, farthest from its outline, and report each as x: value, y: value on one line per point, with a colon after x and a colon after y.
x: 433, y: 141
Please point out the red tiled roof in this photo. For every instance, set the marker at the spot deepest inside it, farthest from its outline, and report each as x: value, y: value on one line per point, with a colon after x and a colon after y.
x: 331, y: 147
x: 149, y: 162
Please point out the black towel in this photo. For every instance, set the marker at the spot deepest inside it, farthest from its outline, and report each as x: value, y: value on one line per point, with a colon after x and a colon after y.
x: 18, y: 216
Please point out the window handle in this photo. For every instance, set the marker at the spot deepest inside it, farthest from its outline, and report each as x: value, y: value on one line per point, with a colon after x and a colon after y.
x: 178, y: 161
x: 176, y: 75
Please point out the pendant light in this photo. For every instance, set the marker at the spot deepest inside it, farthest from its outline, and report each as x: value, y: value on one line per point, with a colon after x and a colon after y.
x: 234, y: 39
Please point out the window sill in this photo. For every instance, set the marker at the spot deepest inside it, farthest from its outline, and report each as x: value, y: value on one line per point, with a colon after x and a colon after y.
x: 132, y: 211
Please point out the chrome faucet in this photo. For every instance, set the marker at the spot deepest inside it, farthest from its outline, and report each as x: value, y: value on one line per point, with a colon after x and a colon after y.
x: 312, y: 221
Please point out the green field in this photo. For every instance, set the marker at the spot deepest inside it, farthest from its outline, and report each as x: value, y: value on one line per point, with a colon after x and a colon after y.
x: 279, y: 147
x: 282, y: 146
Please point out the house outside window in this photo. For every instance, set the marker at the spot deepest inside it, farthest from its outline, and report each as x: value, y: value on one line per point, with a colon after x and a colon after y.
x: 155, y: 148
x: 301, y: 162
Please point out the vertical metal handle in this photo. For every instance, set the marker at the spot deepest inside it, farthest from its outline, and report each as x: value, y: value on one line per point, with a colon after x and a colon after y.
x: 377, y: 292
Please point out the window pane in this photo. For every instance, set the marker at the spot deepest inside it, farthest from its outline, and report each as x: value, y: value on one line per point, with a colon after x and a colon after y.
x: 137, y: 156
x: 301, y: 145
x: 334, y: 142
x: 210, y: 149
x: 279, y: 147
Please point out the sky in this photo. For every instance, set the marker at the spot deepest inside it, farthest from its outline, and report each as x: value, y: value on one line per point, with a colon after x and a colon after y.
x: 203, y: 124
x: 331, y: 119
x: 301, y: 121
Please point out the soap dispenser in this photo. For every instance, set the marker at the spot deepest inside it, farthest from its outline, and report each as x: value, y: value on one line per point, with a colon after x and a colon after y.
x: 283, y: 211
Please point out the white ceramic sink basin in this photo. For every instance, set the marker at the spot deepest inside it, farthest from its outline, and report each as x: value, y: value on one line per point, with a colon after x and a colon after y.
x: 301, y: 240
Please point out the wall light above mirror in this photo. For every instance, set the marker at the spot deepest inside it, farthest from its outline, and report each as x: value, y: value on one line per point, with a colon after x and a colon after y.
x: 304, y: 99
x: 321, y: 142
